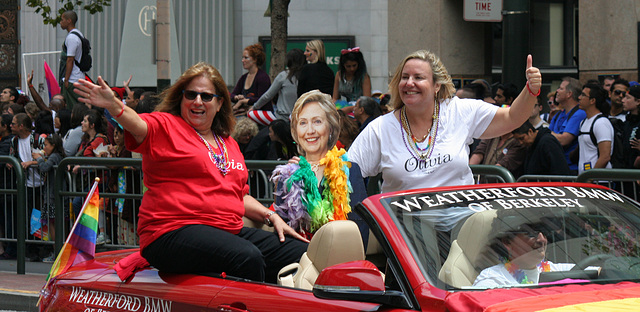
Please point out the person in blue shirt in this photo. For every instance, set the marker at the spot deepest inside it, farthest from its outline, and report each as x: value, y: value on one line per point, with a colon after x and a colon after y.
x: 565, y: 125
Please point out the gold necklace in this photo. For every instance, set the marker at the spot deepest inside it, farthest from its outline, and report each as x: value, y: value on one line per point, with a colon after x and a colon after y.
x: 314, y: 167
x: 422, y: 154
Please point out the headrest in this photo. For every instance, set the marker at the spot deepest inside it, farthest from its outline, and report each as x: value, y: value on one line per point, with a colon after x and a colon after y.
x: 335, y: 242
x: 475, y: 236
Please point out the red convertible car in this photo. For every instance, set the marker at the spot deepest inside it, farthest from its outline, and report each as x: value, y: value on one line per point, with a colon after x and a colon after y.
x: 491, y: 247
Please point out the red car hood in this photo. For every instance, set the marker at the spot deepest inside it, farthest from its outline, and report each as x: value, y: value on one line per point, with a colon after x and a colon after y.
x: 592, y: 297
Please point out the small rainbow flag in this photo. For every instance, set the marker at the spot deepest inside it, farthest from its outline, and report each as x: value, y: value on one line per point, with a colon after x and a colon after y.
x: 81, y: 243
x: 52, y: 82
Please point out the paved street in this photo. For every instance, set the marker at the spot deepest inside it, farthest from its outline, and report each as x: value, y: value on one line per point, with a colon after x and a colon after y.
x: 19, y: 292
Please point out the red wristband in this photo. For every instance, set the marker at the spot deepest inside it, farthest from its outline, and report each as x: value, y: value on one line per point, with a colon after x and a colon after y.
x: 122, y: 112
x: 532, y: 92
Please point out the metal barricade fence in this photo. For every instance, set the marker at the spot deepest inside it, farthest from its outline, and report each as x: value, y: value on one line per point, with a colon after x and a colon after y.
x: 625, y: 181
x: 118, y: 198
x: 122, y: 231
x: 491, y: 174
x: 547, y: 178
x: 120, y: 189
x: 14, y: 195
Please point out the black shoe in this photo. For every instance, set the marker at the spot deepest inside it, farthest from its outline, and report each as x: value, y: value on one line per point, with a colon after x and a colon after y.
x: 7, y: 256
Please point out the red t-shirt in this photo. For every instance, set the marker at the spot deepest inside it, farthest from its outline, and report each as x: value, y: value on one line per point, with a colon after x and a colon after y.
x: 90, y: 146
x: 184, y: 185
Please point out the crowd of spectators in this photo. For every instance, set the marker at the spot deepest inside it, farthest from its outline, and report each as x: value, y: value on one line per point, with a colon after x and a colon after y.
x: 39, y: 136
x: 576, y: 130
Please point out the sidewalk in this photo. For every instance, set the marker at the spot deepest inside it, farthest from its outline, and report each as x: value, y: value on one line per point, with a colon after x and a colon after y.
x: 20, y: 291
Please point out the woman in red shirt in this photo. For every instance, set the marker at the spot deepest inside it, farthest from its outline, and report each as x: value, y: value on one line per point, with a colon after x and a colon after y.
x: 94, y: 135
x: 190, y: 219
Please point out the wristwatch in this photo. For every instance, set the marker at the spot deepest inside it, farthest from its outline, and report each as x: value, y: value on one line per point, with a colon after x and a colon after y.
x: 267, y: 221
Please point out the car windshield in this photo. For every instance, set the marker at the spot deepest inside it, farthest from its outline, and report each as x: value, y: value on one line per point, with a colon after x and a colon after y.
x: 520, y: 236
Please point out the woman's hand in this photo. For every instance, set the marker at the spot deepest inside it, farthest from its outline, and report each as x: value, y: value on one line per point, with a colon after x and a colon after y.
x: 36, y: 155
x: 30, y: 78
x: 507, y: 119
x: 238, y: 97
x: 96, y: 94
x: 294, y: 160
x: 126, y: 83
x: 255, y: 211
x: 534, y: 78
x: 282, y: 228
x: 26, y: 164
x: 635, y: 144
x: 126, y: 86
x: 113, y: 150
x: 243, y: 102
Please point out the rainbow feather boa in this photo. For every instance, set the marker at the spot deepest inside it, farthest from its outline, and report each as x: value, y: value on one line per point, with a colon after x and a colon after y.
x: 303, y: 205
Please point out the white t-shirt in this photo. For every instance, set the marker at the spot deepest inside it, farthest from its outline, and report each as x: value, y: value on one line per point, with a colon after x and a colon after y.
x: 622, y: 116
x: 383, y: 147
x: 33, y: 175
x: 603, y: 131
x: 74, y: 48
x: 498, y: 275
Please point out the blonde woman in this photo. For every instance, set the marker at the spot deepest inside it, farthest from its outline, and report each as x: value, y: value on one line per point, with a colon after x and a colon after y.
x: 425, y: 141
x: 316, y: 74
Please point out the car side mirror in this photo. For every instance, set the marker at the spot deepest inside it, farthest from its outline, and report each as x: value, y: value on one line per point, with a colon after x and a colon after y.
x: 356, y: 281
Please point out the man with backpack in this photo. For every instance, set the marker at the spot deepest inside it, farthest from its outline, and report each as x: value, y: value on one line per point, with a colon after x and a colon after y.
x: 565, y: 125
x: 75, y: 59
x: 596, y: 136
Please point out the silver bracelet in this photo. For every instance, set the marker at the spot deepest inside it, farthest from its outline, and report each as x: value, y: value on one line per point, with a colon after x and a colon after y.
x: 267, y: 221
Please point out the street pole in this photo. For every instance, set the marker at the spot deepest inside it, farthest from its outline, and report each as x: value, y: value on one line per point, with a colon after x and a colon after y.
x: 515, y: 41
x: 163, y: 49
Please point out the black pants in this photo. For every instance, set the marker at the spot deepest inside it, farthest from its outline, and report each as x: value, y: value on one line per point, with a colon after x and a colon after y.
x: 252, y: 254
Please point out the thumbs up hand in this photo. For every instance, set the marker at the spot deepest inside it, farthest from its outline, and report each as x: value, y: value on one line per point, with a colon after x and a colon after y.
x: 534, y: 78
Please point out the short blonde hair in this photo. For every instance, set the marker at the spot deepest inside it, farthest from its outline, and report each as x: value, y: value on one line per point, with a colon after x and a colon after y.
x: 318, y: 46
x: 440, y: 76
x: 244, y: 126
x: 326, y: 104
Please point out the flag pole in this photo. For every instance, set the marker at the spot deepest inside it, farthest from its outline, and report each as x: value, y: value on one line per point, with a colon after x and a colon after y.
x: 86, y: 202
x: 57, y: 262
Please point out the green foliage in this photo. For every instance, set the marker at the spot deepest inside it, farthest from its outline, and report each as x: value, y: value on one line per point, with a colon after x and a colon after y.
x: 53, y: 17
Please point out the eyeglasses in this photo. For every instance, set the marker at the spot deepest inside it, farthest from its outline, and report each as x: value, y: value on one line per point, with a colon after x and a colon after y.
x: 620, y: 92
x: 204, y: 96
x: 529, y: 234
x: 550, y: 102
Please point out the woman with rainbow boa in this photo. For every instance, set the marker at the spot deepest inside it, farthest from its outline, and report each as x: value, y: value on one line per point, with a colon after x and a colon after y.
x: 322, y: 185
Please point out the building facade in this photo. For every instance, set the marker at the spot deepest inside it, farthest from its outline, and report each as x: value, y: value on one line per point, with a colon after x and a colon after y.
x: 580, y: 38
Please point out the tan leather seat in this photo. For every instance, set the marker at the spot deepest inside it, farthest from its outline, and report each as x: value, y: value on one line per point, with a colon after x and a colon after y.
x: 335, y: 242
x: 258, y: 225
x: 470, y: 252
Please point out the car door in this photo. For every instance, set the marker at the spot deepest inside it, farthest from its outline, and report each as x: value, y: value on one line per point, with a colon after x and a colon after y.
x: 255, y: 297
x: 159, y: 292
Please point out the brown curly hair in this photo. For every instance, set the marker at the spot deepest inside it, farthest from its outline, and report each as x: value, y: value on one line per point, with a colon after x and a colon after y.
x: 256, y: 51
x: 171, y: 98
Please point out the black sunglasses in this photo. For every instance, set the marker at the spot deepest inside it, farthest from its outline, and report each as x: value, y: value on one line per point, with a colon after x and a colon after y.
x: 620, y: 92
x: 529, y: 234
x: 191, y: 95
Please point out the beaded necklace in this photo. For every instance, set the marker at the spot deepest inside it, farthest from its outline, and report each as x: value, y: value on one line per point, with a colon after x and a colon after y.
x: 519, y: 274
x: 422, y: 154
x: 220, y: 160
